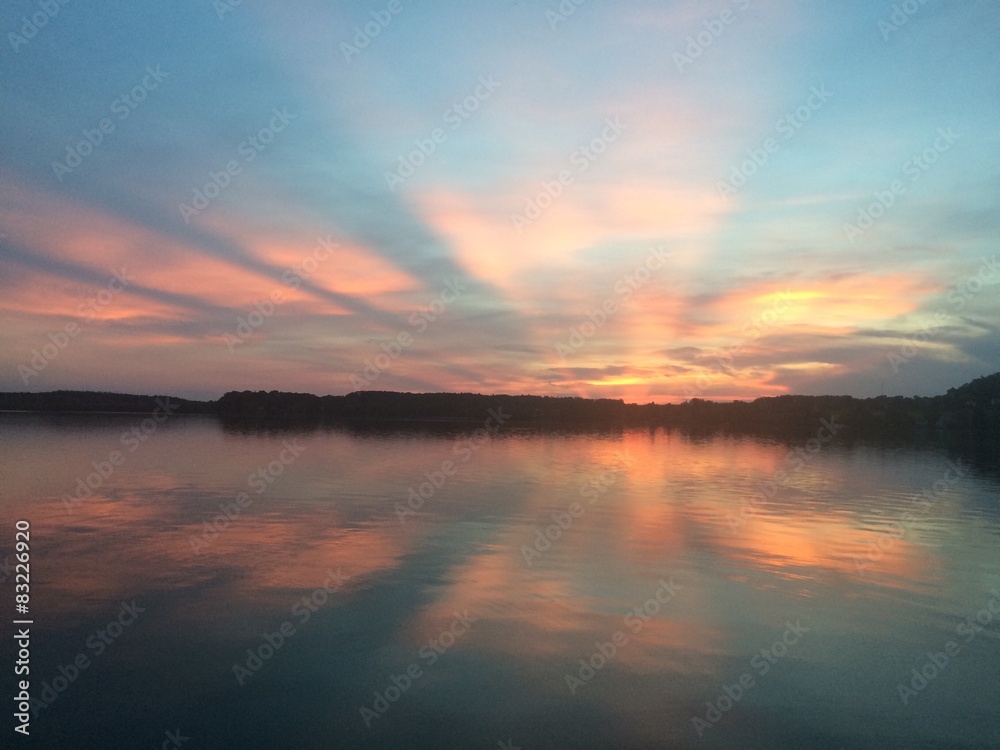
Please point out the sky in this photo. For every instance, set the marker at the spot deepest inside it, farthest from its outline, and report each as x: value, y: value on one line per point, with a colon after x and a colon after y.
x: 651, y: 201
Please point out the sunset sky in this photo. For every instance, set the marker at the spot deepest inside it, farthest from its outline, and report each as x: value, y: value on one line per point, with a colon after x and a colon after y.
x: 638, y: 200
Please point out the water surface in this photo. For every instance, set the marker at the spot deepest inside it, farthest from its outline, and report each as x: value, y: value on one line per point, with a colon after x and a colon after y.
x: 450, y: 589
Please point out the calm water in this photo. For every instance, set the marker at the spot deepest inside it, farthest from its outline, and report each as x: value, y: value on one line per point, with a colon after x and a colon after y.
x: 603, y: 590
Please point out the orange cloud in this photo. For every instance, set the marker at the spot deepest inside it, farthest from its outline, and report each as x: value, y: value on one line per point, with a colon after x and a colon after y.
x: 326, y: 260
x: 62, y: 229
x: 584, y: 216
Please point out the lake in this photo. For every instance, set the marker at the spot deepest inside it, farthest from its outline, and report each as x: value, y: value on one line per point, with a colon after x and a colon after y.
x: 491, y: 586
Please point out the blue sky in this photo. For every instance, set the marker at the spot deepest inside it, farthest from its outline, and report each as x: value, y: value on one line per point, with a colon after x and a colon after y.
x: 591, y: 124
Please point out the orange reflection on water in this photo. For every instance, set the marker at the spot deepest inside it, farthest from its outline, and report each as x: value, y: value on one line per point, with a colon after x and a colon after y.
x: 123, y: 546
x: 809, y: 545
x: 533, y: 614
